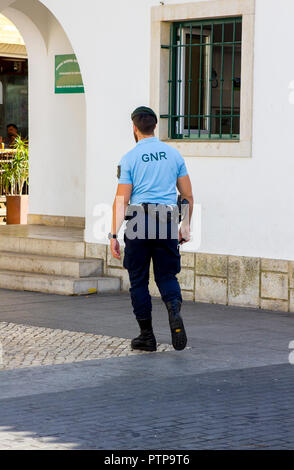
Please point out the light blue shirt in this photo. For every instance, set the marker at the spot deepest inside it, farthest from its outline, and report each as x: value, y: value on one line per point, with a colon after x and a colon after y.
x: 152, y: 167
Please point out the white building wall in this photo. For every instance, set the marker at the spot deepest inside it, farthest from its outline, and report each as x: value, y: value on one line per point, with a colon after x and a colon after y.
x: 246, y: 203
x: 66, y: 151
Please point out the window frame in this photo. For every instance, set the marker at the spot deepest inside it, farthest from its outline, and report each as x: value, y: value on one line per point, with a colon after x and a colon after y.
x: 161, y: 19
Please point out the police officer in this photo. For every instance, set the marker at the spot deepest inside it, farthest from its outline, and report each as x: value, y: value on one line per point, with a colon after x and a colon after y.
x: 149, y: 175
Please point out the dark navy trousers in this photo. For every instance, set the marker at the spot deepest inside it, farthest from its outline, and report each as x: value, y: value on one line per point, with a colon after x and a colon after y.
x: 166, y: 260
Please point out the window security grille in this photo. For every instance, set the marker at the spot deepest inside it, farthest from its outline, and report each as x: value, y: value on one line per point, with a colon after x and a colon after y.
x: 204, y: 79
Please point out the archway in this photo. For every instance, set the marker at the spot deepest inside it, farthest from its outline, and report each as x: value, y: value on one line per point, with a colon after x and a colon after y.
x: 57, y: 121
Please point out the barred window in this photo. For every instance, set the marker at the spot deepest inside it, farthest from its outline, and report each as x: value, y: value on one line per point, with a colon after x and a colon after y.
x: 205, y: 79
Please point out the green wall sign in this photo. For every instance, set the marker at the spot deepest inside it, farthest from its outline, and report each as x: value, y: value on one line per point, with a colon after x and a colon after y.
x: 68, y: 77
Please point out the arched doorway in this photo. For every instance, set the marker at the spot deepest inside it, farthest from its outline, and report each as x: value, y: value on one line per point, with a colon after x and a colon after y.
x: 57, y: 120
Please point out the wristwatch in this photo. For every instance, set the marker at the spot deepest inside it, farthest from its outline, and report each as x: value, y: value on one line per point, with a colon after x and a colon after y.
x: 111, y: 235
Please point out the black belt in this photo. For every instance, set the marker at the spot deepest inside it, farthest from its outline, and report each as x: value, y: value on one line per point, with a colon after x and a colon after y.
x: 146, y: 205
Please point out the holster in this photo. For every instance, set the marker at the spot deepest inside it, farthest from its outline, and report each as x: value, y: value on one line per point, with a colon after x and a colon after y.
x: 183, y: 206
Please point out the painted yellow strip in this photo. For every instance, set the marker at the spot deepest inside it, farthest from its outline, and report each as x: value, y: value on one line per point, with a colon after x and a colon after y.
x: 91, y: 291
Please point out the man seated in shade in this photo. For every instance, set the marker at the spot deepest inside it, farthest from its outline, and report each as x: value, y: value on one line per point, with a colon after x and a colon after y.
x: 12, y: 133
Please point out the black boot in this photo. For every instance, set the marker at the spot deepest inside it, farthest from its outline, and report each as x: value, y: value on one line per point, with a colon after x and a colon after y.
x: 179, y: 338
x: 146, y: 340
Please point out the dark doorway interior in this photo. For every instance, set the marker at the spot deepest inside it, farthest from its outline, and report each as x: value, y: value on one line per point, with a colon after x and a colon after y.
x: 14, y: 94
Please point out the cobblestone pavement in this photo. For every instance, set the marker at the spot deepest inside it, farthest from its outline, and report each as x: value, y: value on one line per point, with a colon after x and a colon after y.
x: 231, y: 390
x: 248, y: 409
x: 28, y: 346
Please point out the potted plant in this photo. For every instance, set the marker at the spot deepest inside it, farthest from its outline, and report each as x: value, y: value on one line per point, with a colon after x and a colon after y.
x: 15, y: 175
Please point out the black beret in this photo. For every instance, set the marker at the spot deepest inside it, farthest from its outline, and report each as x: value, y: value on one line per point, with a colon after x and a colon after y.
x: 143, y: 110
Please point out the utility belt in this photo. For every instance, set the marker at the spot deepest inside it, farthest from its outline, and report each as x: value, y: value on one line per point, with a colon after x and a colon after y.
x: 162, y: 212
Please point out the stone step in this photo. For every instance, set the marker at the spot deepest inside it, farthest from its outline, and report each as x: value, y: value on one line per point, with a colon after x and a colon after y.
x: 84, y: 267
x: 63, y: 285
x: 43, y: 246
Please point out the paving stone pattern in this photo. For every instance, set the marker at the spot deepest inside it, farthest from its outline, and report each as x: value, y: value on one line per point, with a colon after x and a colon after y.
x: 27, y: 346
x: 70, y: 381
